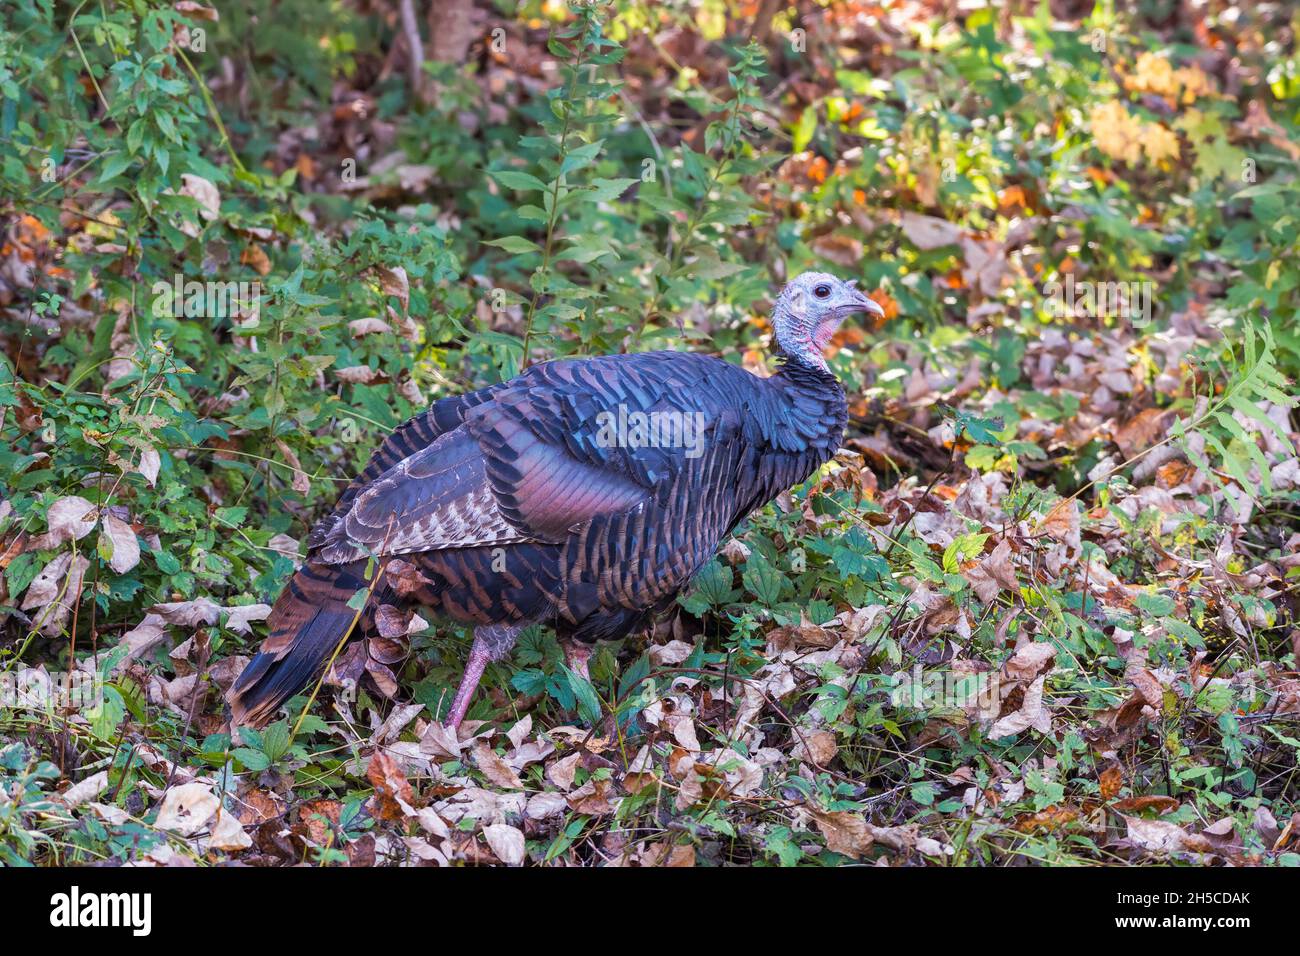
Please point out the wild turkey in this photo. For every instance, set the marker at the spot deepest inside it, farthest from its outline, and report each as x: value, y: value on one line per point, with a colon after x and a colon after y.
x: 583, y: 494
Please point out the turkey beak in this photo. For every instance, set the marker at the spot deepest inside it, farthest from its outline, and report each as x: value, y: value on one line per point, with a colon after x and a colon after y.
x: 871, y: 306
x: 863, y: 303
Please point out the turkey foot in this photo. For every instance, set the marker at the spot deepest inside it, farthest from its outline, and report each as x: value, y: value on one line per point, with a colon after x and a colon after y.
x: 491, y: 643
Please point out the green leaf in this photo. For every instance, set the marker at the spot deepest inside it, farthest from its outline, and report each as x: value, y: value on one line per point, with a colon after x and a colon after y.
x: 515, y: 245
x: 585, y: 694
x: 764, y: 581
x: 587, y: 248
x: 580, y: 157
x: 804, y: 129
x: 253, y: 760
x: 115, y: 165
x: 604, y: 190
x: 1156, y: 604
x: 984, y: 431
x: 275, y: 740
x: 711, y: 588
x: 515, y: 179
x: 530, y: 681
x: 963, y: 548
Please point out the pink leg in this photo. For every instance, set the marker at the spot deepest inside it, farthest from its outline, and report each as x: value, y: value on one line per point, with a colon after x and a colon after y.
x: 491, y: 643
x: 474, y: 667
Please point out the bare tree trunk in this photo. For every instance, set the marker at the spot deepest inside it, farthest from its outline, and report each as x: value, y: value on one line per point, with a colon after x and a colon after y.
x: 414, y: 47
x: 453, y: 26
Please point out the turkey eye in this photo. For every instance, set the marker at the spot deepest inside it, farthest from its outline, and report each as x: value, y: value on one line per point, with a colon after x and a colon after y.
x: 822, y: 291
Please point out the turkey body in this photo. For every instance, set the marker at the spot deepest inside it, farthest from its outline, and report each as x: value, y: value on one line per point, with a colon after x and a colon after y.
x: 583, y: 494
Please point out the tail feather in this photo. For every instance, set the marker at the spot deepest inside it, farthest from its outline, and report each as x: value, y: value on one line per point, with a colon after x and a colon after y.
x: 307, y: 623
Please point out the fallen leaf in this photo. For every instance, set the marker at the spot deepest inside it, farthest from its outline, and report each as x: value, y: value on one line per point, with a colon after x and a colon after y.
x: 494, y: 768
x: 394, y: 282
x: 506, y: 842
x: 118, y: 541
x: 845, y: 832
x: 150, y: 463
x: 363, y: 327
x: 1160, y: 837
x: 546, y: 804
x: 187, y: 809
x: 393, y: 797
x: 1151, y: 801
x: 1032, y: 713
x: 592, y: 798
x: 1143, y: 430
x: 992, y: 574
x: 818, y: 747
x: 301, y: 482
x: 1112, y: 778
x: 929, y: 232
x: 205, y: 193
x: 86, y: 790
x: 68, y: 519
x: 228, y: 834
x: 1028, y: 660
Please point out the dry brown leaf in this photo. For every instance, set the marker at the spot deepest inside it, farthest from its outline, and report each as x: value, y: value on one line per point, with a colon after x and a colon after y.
x: 1143, y: 430
x: 205, y: 611
x: 1112, y: 779
x: 59, y: 581
x: 1159, y: 837
x: 187, y: 809
x: 986, y: 263
x: 439, y: 740
x: 150, y: 463
x: 118, y: 541
x: 200, y: 11
x: 1146, y: 684
x: 1157, y: 802
x: 1028, y: 660
x: 254, y: 256
x: 845, y: 832
x: 546, y: 804
x: 507, y: 843
x: 228, y: 834
x: 818, y: 747
x: 204, y: 192
x: 393, y: 797
x: 69, y: 519
x: 592, y: 798
x: 1053, y: 818
x: 394, y: 282
x: 1062, y: 522
x: 494, y: 768
x: 363, y: 327
x: 929, y: 232
x: 301, y: 483
x: 86, y: 790
x: 519, y: 732
x: 1032, y: 713
x: 840, y: 249
x: 993, y: 573
x: 356, y: 374
x: 561, y: 772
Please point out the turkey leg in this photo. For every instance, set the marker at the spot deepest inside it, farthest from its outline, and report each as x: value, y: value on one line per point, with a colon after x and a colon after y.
x: 491, y: 643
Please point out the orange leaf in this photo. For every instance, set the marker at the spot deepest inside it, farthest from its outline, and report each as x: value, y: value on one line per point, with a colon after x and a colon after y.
x: 1112, y: 778
x: 1155, y: 802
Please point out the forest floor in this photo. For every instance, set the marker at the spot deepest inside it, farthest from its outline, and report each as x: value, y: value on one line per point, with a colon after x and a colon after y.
x: 1039, y: 610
